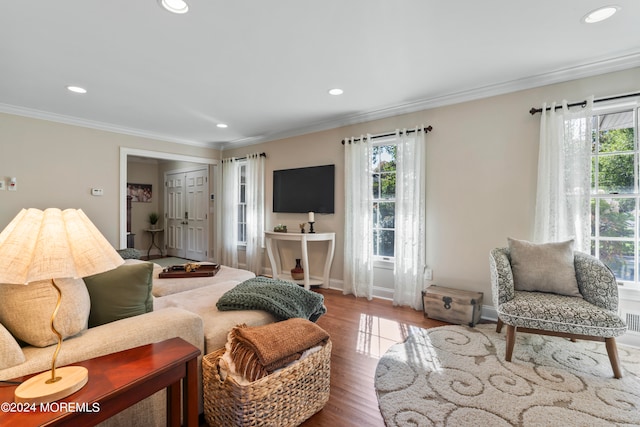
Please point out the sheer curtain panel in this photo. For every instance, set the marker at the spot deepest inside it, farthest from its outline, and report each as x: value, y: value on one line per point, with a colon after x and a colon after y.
x: 410, y: 234
x: 230, y: 200
x: 255, y: 212
x: 358, y: 240
x: 564, y: 176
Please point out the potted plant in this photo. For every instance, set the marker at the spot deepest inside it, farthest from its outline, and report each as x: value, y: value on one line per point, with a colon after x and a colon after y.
x: 153, y: 219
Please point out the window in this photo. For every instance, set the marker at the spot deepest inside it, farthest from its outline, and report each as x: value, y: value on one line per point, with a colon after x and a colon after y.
x: 383, y: 162
x: 242, y: 203
x: 615, y: 192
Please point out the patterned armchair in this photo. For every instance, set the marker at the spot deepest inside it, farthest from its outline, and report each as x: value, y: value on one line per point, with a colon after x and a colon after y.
x: 592, y: 317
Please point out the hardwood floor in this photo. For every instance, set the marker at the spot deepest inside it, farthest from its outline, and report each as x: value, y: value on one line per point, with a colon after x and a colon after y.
x: 361, y: 332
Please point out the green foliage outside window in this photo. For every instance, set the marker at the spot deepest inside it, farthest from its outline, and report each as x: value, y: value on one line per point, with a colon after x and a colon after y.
x: 617, y: 215
x: 384, y: 193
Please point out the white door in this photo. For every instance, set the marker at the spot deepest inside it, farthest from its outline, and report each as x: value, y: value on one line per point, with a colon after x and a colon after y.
x: 186, y: 217
x: 196, y: 214
x: 174, y: 215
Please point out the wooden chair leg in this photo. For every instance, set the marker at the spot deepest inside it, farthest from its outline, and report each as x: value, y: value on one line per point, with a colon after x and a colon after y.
x: 511, y: 340
x: 499, y: 326
x: 612, y: 351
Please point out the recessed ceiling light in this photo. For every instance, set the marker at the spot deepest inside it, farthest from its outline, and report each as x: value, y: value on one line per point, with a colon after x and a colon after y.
x: 222, y: 125
x: 76, y: 89
x: 336, y: 91
x: 600, y: 14
x: 175, y: 6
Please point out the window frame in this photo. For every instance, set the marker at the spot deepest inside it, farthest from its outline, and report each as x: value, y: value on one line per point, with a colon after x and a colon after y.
x: 384, y: 261
x: 242, y: 204
x: 598, y: 196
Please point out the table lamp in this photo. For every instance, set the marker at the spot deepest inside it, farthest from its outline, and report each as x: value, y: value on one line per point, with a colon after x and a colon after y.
x: 49, y: 245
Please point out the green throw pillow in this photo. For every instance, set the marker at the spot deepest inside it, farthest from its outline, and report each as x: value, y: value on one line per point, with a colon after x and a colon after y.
x: 120, y: 293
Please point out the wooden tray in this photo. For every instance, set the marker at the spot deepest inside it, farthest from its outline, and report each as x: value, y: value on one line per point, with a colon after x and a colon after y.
x: 205, y: 270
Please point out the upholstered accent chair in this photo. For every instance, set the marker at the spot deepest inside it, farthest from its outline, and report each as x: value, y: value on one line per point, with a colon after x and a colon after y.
x: 590, y: 317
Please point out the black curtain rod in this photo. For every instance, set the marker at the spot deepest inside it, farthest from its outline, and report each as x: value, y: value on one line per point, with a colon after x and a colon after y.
x: 534, y: 110
x: 427, y: 129
x: 245, y: 157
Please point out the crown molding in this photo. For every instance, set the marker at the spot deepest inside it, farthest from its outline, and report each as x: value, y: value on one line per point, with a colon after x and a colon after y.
x: 603, y: 66
x: 92, y: 124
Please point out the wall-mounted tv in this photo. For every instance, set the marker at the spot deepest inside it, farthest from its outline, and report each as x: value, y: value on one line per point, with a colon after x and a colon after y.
x: 302, y: 190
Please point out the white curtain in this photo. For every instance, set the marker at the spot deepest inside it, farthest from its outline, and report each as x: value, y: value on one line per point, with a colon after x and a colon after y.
x: 255, y: 212
x: 230, y: 200
x: 564, y: 176
x: 358, y: 240
x: 410, y: 234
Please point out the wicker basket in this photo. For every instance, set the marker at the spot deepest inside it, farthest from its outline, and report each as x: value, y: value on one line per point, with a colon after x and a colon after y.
x: 285, y: 398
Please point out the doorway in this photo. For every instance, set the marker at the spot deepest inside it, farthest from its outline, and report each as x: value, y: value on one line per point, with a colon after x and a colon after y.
x: 210, y: 238
x: 187, y: 214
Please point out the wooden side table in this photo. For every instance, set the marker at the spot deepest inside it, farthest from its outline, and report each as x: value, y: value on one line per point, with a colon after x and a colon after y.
x: 117, y: 381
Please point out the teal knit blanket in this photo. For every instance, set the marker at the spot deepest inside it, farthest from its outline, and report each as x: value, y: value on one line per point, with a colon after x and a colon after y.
x: 282, y: 299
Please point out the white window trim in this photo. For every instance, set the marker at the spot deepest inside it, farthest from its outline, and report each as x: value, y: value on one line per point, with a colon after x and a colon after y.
x: 240, y: 165
x: 386, y: 262
x: 627, y: 288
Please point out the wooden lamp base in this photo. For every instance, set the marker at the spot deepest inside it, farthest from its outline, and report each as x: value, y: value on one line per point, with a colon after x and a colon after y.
x: 38, y: 390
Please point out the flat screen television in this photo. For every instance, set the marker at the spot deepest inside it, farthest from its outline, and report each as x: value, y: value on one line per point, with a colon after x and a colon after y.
x: 303, y: 190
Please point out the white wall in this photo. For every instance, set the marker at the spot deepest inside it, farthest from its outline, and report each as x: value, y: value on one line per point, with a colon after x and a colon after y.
x: 57, y: 165
x: 481, y: 173
x: 145, y: 172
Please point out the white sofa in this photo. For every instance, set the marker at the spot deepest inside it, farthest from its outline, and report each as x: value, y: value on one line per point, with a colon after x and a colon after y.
x: 182, y: 307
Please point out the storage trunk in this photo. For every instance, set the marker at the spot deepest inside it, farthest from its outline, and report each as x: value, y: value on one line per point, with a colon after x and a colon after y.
x: 452, y: 305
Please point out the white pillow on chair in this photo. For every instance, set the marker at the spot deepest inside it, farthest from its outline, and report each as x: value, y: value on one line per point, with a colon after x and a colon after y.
x: 546, y: 267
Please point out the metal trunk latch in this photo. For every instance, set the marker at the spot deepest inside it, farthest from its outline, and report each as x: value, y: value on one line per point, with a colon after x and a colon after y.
x: 447, y: 302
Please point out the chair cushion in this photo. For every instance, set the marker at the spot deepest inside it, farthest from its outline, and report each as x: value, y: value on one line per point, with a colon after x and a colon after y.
x: 546, y: 267
x: 559, y: 313
x: 120, y: 293
x: 26, y: 310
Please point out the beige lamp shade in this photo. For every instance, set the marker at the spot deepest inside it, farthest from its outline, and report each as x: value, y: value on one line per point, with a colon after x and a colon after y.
x: 49, y: 245
x: 53, y: 244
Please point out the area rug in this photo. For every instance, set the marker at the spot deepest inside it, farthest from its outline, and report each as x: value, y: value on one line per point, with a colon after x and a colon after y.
x: 457, y: 376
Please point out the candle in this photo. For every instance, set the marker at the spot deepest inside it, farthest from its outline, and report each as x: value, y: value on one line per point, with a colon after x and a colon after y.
x: 311, y: 217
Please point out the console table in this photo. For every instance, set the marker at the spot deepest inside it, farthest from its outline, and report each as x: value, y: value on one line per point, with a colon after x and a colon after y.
x: 117, y: 381
x: 153, y: 232
x: 272, y: 239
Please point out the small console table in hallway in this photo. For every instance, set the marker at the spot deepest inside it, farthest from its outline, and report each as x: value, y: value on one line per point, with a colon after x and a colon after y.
x: 272, y: 239
x: 153, y: 232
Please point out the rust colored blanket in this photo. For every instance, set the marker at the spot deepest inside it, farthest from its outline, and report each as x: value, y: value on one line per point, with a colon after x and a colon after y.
x: 260, y: 350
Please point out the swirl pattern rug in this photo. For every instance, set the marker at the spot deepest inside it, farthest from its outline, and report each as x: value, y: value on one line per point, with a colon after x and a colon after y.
x: 457, y: 376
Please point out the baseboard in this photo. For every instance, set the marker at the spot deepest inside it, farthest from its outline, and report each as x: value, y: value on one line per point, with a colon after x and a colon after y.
x: 489, y: 313
x: 631, y: 339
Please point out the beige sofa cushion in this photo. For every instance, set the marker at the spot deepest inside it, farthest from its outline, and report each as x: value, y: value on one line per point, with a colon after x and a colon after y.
x: 10, y: 352
x: 26, y: 310
x: 217, y: 324
x: 169, y: 286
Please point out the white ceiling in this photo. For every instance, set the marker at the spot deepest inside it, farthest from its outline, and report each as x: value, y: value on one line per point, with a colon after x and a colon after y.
x: 264, y: 67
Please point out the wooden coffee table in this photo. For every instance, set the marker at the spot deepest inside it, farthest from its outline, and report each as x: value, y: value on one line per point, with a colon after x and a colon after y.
x: 116, y: 382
